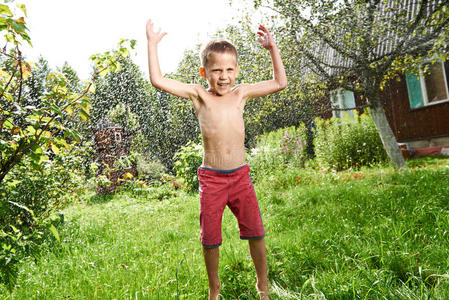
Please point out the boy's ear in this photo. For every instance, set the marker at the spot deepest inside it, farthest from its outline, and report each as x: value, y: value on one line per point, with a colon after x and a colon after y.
x: 203, y: 73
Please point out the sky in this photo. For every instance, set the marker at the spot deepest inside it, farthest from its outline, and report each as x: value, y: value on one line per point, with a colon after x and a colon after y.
x: 68, y: 30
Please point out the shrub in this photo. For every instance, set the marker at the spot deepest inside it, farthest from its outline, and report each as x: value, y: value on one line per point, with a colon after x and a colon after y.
x: 149, y: 169
x: 348, y: 142
x: 187, y: 161
x: 278, y: 149
x: 29, y: 201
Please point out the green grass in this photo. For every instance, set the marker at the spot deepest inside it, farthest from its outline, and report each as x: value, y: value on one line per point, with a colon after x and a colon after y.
x: 368, y: 234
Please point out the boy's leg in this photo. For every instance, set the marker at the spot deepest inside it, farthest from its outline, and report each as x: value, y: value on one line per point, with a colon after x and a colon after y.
x: 258, y: 252
x: 211, y: 258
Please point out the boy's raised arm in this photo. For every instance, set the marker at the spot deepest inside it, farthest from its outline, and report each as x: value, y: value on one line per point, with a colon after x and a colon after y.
x: 279, y: 81
x: 171, y: 86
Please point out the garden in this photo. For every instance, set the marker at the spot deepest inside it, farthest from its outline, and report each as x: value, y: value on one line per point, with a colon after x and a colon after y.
x: 363, y: 231
x: 344, y: 218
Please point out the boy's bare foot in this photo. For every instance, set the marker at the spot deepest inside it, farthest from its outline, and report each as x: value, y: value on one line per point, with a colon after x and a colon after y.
x: 263, y: 292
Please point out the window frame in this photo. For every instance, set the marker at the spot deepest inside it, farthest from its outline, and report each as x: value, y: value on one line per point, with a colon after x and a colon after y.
x: 340, y: 103
x: 123, y: 162
x: 423, y: 86
x: 119, y: 134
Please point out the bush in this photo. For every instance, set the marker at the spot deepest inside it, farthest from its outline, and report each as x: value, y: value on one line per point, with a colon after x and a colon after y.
x: 149, y: 169
x: 29, y: 201
x: 187, y: 161
x: 278, y: 149
x: 348, y: 142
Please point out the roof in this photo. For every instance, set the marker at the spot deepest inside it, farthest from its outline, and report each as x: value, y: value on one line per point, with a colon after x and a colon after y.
x: 334, y: 60
x: 105, y: 123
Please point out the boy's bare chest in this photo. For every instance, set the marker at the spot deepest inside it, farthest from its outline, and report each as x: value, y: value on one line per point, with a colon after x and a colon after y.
x: 223, y: 110
x: 219, y: 113
x: 221, y: 123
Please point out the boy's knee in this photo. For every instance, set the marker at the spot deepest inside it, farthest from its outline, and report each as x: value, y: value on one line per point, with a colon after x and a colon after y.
x: 215, y: 286
x: 258, y: 241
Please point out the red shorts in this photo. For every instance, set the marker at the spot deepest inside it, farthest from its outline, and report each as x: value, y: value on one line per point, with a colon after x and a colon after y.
x: 233, y: 188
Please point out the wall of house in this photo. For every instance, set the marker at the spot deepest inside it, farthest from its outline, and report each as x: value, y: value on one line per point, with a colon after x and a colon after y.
x: 110, y: 145
x: 427, y: 126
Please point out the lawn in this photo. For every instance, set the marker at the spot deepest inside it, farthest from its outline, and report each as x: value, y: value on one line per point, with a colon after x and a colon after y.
x: 368, y: 234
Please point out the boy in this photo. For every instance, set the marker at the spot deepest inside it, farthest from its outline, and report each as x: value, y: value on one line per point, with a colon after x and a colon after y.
x: 223, y: 176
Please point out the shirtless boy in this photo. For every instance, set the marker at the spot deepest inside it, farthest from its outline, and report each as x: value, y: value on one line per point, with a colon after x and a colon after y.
x: 223, y: 176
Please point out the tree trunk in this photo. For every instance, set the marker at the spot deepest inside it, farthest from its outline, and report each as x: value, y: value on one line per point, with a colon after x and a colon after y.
x: 386, y: 134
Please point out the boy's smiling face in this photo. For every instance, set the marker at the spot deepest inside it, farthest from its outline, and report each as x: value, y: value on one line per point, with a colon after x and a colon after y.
x: 220, y: 72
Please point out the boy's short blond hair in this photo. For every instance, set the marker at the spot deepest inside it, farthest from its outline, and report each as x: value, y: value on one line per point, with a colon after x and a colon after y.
x: 217, y: 46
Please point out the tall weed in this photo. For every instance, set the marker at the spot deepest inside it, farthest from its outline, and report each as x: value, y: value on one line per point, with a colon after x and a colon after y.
x: 278, y: 149
x: 187, y: 161
x: 348, y: 142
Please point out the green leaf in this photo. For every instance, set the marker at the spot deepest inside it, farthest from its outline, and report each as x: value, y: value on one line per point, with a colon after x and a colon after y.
x: 8, y: 124
x: 18, y: 26
x: 6, y: 246
x: 54, y: 148
x: 14, y: 229
x: 84, y: 115
x: 55, y: 232
x: 10, y: 37
x: 124, y: 52
x: 30, y: 130
x: 62, y: 142
x: 46, y: 134
x: 22, y: 8
x: 4, y: 10
x: 46, y: 119
x: 56, y: 109
x: 72, y: 133
x: 69, y: 110
x: 22, y: 207
x: 104, y: 72
x: 3, y: 23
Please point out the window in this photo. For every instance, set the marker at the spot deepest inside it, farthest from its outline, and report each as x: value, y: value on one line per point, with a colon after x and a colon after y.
x: 125, y: 162
x: 430, y: 88
x: 342, y: 99
x: 122, y: 162
x: 118, y: 137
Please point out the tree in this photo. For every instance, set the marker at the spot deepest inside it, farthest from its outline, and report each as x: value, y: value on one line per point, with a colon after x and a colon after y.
x: 29, y: 129
x: 360, y: 44
x: 36, y: 138
x: 124, y: 98
x: 172, y: 124
x: 35, y: 84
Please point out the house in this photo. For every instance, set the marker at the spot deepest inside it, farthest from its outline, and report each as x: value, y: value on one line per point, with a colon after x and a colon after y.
x: 417, y: 109
x: 416, y: 104
x: 111, y: 154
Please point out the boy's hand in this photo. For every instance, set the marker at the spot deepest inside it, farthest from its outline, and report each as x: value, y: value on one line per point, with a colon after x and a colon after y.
x: 279, y: 81
x: 152, y: 35
x: 265, y: 38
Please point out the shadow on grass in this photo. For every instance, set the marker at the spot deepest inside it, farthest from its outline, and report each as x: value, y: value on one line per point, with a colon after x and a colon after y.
x: 100, y: 198
x: 427, y: 161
